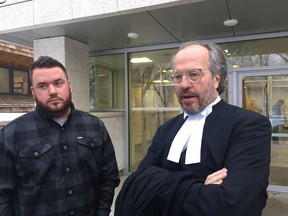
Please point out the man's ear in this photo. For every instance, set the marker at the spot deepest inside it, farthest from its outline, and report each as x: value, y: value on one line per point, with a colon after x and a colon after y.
x: 217, y: 79
x: 70, y: 86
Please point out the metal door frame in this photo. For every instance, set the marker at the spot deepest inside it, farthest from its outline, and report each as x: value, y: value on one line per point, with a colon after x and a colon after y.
x: 235, y: 92
x: 235, y: 77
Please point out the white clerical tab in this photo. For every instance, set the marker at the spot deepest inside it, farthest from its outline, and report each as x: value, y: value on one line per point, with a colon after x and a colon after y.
x: 189, y: 136
x: 193, y: 151
x: 179, y: 142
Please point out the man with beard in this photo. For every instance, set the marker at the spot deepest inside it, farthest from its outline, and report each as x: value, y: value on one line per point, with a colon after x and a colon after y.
x: 211, y: 160
x: 56, y: 160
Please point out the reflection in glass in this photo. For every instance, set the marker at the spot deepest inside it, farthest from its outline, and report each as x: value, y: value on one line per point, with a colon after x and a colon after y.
x: 151, y: 100
x: 20, y: 85
x: 255, y: 94
x: 257, y: 53
x: 107, y: 82
x: 268, y: 96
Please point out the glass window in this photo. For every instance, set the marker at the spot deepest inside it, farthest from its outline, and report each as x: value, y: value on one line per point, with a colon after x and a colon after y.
x: 255, y: 94
x: 256, y: 53
x: 20, y: 85
x: 107, y: 82
x: 4, y: 80
x: 268, y: 95
x: 151, y: 99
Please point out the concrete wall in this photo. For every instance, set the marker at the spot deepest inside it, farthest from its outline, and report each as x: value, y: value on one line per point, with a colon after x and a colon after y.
x: 29, y: 14
x: 114, y: 122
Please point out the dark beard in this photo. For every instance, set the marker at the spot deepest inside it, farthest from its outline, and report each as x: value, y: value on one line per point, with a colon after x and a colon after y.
x: 55, y: 113
x: 208, y: 98
x: 194, y: 111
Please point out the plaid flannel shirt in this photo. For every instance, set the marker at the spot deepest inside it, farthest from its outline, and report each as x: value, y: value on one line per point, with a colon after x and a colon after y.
x: 47, y: 169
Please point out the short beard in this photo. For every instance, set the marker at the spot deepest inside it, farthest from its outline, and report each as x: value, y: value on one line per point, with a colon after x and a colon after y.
x: 55, y: 113
x: 194, y: 111
x: 209, y: 98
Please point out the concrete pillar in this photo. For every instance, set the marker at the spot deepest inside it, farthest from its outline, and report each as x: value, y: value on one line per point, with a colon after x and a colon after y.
x: 74, y: 55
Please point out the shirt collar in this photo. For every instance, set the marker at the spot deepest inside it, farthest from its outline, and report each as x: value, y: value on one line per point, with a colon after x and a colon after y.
x: 206, y: 111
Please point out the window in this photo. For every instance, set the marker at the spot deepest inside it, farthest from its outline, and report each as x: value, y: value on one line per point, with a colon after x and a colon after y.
x: 20, y: 85
x: 107, y: 82
x: 257, y: 53
x: 268, y: 96
x: 4, y: 80
x: 14, y: 81
x: 152, y: 100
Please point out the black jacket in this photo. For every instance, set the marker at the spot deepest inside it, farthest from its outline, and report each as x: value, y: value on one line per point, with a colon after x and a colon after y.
x: 153, y: 191
x: 234, y: 138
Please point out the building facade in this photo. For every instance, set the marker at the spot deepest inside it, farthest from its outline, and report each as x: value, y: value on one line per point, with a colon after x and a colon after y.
x: 118, y: 55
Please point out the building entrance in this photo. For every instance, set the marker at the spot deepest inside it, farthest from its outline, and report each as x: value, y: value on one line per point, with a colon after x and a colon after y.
x: 266, y: 92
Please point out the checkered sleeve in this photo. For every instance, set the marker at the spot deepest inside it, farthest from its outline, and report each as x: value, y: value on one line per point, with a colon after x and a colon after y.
x: 7, y: 179
x: 109, y: 176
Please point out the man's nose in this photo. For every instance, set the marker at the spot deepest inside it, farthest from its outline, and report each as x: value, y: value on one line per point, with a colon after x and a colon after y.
x: 52, y: 89
x: 185, y: 81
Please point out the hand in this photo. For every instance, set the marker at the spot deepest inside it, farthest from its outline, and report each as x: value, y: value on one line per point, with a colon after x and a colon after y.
x: 216, y: 177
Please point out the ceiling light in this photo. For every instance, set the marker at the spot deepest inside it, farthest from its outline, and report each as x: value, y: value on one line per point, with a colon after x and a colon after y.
x: 230, y: 22
x: 140, y: 60
x: 133, y: 35
x: 235, y: 66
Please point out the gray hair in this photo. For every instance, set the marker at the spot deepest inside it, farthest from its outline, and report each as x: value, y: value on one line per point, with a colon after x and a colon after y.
x: 217, y: 61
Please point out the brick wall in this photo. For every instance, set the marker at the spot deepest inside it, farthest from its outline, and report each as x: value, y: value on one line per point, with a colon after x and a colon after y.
x: 16, y: 103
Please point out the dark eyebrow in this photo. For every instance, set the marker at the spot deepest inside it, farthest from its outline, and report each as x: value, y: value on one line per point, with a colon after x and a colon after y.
x: 60, y: 79
x: 57, y: 80
x: 41, y: 83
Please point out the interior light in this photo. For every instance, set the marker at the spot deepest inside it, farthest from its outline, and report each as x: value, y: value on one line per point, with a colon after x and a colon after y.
x: 236, y: 66
x: 227, y: 52
x: 140, y: 60
x: 230, y: 22
x: 133, y: 35
x: 159, y: 81
x: 166, y: 70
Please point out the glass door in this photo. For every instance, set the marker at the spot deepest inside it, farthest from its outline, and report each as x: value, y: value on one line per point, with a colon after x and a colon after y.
x: 151, y: 99
x: 267, y: 93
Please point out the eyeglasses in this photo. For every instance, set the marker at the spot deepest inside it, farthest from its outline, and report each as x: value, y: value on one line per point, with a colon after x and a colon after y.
x: 193, y: 75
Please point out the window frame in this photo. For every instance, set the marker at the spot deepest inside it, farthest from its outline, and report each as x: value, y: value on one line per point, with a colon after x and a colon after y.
x: 11, y: 72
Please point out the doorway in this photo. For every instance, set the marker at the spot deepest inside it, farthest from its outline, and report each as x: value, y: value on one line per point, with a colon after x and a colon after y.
x: 265, y: 92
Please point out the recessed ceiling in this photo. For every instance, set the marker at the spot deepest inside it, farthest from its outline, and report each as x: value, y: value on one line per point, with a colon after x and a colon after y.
x: 192, y: 21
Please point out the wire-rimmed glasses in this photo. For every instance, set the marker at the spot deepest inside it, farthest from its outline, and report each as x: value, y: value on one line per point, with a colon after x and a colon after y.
x: 193, y: 75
